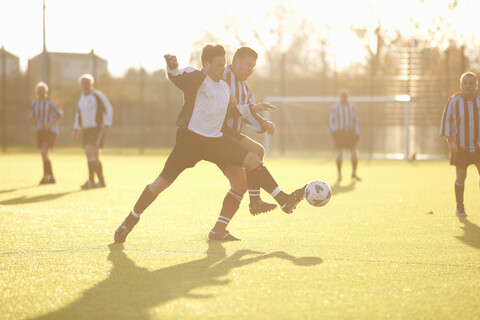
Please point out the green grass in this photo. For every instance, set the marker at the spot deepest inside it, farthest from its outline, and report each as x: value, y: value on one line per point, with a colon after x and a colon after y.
x: 387, y: 247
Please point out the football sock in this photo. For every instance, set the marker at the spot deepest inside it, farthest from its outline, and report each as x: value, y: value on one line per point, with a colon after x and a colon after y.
x: 131, y: 220
x: 339, y: 167
x: 254, y: 195
x: 354, y: 167
x: 146, y: 199
x: 45, y: 169
x: 459, y: 190
x: 279, y: 196
x: 91, y: 168
x: 99, y: 171
x: 231, y: 202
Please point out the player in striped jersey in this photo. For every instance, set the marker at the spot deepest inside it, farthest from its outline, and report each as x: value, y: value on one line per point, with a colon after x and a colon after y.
x: 461, y: 129
x: 343, y: 125
x: 46, y: 115
x: 94, y: 117
x: 244, y: 61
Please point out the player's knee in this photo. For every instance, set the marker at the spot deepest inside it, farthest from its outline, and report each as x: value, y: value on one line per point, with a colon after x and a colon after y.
x: 251, y: 161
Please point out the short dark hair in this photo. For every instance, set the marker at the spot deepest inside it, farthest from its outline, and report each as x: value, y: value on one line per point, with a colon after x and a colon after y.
x: 211, y: 51
x: 245, y: 52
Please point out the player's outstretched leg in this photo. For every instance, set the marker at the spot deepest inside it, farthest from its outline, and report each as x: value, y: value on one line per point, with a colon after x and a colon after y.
x: 260, y: 176
x: 146, y: 198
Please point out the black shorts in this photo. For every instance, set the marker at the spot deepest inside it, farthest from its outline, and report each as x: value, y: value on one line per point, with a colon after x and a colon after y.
x: 191, y: 148
x: 46, y: 138
x: 93, y: 136
x: 345, y: 139
x: 234, y: 135
x: 463, y: 158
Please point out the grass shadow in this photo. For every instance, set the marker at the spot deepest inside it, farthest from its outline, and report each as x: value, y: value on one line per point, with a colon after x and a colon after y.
x: 338, y: 188
x: 131, y: 291
x: 471, y: 235
x: 19, y: 188
x: 35, y: 199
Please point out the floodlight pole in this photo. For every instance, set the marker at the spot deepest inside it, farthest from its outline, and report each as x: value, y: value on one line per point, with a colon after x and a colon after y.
x: 44, y: 53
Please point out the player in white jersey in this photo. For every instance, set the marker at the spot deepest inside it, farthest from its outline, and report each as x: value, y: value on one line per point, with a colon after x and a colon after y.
x: 343, y: 125
x: 461, y: 129
x: 94, y: 117
x: 46, y: 115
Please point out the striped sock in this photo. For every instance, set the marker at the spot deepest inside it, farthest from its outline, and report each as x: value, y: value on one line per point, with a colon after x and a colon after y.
x: 231, y: 203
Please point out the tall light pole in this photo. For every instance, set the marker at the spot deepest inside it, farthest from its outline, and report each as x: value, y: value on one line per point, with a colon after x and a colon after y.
x: 44, y: 52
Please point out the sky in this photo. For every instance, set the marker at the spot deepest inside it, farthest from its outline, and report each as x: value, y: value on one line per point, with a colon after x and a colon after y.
x: 134, y: 34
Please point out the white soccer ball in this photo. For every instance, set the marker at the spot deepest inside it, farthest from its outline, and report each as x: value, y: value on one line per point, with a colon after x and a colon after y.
x: 318, y: 193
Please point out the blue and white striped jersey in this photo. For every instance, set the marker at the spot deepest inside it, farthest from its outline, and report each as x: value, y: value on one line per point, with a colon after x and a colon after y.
x: 460, y: 121
x: 45, y: 111
x: 343, y: 118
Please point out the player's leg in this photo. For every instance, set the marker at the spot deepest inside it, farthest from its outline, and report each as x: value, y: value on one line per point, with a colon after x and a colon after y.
x: 98, y: 168
x: 461, y: 175
x: 256, y: 204
x: 259, y: 176
x: 91, y: 155
x: 44, y: 153
x: 182, y: 156
x: 231, y: 203
x: 354, y: 156
x: 338, y: 161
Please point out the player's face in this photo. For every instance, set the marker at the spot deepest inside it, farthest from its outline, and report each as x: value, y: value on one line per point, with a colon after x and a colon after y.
x: 41, y: 93
x: 244, y: 68
x: 216, y: 68
x: 468, y: 85
x: 86, y: 85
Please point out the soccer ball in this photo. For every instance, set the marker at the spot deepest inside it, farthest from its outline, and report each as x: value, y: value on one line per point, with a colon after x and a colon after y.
x: 318, y: 193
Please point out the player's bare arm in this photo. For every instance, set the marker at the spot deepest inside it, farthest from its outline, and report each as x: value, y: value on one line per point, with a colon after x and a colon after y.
x: 263, y: 106
x: 452, y: 145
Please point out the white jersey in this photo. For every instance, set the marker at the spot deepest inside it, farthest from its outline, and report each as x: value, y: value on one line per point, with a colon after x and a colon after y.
x: 93, y: 110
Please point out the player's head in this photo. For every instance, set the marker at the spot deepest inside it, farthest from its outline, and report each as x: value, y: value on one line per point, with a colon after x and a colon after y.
x: 244, y: 60
x: 41, y: 90
x: 86, y: 83
x: 468, y: 84
x: 213, y: 61
x: 344, y: 96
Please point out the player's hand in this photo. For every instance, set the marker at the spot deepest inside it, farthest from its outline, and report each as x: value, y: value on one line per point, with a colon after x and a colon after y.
x: 75, y: 134
x: 269, y: 127
x: 263, y: 106
x: 171, y: 61
x: 453, y: 147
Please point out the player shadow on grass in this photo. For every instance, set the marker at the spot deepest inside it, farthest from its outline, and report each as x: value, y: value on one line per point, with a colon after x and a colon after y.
x: 39, y: 198
x: 471, y: 235
x: 131, y: 291
x: 337, y: 188
x: 19, y: 188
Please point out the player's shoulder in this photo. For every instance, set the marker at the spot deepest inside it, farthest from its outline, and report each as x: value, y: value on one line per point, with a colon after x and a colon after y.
x: 454, y: 97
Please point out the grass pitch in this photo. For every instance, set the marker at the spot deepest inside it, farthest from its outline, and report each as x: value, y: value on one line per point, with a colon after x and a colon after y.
x: 387, y: 247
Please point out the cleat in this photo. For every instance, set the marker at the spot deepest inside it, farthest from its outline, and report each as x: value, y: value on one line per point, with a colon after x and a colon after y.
x: 260, y: 207
x: 100, y: 185
x: 44, y: 180
x: 222, y: 236
x: 127, y: 225
x: 293, y: 199
x: 51, y: 180
x: 121, y: 234
x: 88, y: 185
x: 461, y: 211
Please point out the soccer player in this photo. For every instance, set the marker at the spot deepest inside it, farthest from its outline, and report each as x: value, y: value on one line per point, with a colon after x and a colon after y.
x: 461, y: 129
x: 94, y: 117
x: 343, y: 125
x: 46, y: 115
x: 199, y: 137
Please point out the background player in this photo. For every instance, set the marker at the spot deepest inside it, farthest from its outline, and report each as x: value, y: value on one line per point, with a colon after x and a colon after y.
x: 199, y: 137
x: 343, y: 125
x: 461, y: 129
x: 46, y: 115
x: 94, y: 117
